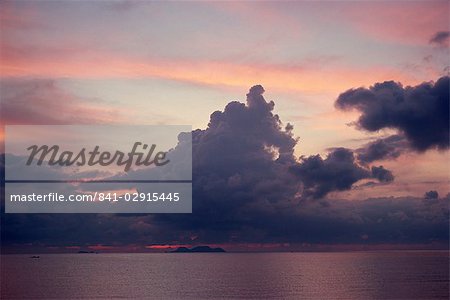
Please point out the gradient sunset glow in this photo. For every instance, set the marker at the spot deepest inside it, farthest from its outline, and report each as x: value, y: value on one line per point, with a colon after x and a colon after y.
x: 138, y: 62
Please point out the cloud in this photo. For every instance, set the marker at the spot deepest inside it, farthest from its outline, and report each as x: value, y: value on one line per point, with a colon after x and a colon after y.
x: 337, y: 172
x: 390, y: 147
x: 431, y: 195
x: 248, y: 186
x: 382, y: 174
x: 420, y: 113
x: 246, y: 148
x: 440, y: 38
x: 43, y: 101
x: 240, y: 167
x: 381, y: 220
x: 306, y: 76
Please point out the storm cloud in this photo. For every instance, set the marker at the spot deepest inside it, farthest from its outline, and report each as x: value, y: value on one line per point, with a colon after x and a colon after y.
x: 390, y: 147
x: 247, y: 184
x: 246, y: 148
x: 337, y: 172
x: 418, y: 113
x: 382, y: 174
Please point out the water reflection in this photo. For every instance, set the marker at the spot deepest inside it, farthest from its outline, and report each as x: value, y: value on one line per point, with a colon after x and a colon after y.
x: 352, y: 275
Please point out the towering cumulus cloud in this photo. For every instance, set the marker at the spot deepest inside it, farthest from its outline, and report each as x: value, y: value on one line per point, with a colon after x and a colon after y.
x: 420, y: 114
x: 244, y: 169
x: 246, y: 150
x: 246, y: 178
x: 241, y: 164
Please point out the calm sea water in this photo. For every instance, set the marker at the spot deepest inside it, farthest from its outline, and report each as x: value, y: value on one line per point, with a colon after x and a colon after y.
x: 351, y: 275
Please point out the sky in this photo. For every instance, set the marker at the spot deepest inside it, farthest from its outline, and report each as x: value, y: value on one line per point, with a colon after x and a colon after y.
x: 138, y: 62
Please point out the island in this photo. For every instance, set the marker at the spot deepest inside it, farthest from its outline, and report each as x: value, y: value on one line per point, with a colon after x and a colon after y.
x: 198, y: 249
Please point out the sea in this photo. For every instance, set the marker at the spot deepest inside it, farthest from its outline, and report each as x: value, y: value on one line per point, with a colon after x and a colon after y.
x: 325, y: 275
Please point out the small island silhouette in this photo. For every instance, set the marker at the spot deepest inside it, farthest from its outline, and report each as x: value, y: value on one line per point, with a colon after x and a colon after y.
x: 198, y: 249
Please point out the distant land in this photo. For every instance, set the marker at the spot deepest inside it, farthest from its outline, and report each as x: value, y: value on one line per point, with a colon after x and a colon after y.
x: 198, y: 249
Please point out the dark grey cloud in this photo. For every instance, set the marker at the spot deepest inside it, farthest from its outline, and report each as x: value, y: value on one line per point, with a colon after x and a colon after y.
x: 380, y: 220
x: 440, y: 38
x: 390, y: 147
x: 431, y: 195
x: 382, y: 174
x: 419, y: 113
x: 337, y: 172
x: 240, y: 168
x: 246, y: 146
x: 247, y: 183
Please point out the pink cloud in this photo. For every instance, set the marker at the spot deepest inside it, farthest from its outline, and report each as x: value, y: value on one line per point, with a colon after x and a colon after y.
x: 407, y: 22
x: 311, y: 76
x: 43, y: 101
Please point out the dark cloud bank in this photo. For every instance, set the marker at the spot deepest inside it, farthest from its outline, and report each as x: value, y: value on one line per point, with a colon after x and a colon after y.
x: 248, y: 187
x: 419, y: 114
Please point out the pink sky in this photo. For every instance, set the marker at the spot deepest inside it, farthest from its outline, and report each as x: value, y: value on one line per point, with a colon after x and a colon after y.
x: 176, y: 63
